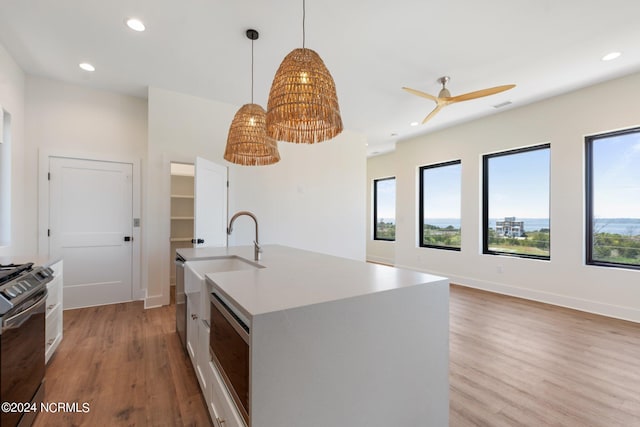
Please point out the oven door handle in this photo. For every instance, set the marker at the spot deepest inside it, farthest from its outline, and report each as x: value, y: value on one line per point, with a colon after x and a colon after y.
x: 17, y: 320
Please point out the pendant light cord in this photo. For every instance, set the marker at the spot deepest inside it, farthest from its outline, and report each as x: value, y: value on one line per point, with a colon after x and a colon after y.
x: 252, y: 71
x: 303, y: 19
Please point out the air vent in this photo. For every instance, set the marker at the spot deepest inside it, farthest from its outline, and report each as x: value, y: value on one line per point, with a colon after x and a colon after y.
x: 504, y: 104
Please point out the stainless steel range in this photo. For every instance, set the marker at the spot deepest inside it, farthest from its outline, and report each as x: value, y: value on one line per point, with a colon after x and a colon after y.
x: 23, y: 293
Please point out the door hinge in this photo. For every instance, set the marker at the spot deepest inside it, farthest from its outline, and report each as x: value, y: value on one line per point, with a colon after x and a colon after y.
x: 48, y: 176
x: 48, y: 232
x: 227, y: 184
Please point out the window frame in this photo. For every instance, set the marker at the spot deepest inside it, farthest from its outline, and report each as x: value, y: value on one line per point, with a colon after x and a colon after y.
x: 375, y: 209
x: 589, y: 199
x: 485, y: 201
x: 421, y: 205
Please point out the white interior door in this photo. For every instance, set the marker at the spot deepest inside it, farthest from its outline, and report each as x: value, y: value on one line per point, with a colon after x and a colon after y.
x: 210, y: 199
x: 90, y: 219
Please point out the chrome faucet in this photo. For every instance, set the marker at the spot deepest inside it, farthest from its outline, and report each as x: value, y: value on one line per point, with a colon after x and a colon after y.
x: 257, y: 250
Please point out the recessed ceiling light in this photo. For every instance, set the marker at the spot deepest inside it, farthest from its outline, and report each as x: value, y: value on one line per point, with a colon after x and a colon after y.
x: 87, y: 67
x: 414, y: 123
x: 135, y: 24
x: 610, y: 56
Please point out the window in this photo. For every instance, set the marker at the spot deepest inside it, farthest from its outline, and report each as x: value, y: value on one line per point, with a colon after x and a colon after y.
x: 516, y: 202
x: 440, y: 187
x: 613, y: 199
x: 384, y: 209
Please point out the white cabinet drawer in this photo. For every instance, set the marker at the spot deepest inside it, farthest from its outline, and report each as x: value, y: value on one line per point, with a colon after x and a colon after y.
x: 203, y: 374
x: 53, y: 319
x: 54, y: 296
x: 221, y: 403
x: 53, y: 332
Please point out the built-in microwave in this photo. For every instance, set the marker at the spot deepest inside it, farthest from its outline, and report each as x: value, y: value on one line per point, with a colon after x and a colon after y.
x: 229, y: 348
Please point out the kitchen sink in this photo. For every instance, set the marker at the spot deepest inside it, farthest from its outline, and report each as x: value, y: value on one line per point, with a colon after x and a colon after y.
x: 218, y: 265
x: 195, y: 270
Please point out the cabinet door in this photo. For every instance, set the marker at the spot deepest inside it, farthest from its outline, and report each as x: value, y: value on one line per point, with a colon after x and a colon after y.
x: 203, y: 357
x: 221, y: 402
x: 53, y: 319
x: 193, y: 314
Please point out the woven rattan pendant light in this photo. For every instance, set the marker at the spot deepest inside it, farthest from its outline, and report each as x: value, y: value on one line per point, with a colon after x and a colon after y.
x: 303, y: 104
x: 247, y: 142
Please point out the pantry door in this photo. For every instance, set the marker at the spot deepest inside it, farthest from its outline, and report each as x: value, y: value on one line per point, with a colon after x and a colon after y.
x: 210, y: 204
x: 90, y: 226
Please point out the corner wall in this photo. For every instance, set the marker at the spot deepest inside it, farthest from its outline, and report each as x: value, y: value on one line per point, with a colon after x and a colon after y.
x: 23, y: 236
x: 563, y: 121
x: 181, y: 127
x: 312, y: 199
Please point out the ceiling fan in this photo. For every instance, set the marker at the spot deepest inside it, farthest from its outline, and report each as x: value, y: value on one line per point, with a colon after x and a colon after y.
x: 444, y: 98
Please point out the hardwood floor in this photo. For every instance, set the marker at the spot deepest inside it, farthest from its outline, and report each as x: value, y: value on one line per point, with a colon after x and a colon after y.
x: 127, y: 364
x: 513, y: 363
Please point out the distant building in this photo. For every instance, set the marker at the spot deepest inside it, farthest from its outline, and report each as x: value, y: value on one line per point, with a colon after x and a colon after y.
x: 510, y: 227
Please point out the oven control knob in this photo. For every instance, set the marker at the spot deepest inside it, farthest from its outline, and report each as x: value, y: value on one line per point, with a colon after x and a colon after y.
x: 11, y: 293
x: 17, y: 289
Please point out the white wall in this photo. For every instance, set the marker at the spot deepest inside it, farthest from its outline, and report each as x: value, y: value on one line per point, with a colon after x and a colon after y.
x: 63, y: 119
x: 563, y: 121
x: 72, y: 118
x: 313, y: 199
x: 23, y: 234
x: 181, y: 127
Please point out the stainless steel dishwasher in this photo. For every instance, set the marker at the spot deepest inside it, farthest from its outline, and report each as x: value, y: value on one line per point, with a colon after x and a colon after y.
x: 181, y: 302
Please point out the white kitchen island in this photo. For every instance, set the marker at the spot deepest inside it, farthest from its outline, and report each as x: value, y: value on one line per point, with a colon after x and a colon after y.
x: 337, y: 342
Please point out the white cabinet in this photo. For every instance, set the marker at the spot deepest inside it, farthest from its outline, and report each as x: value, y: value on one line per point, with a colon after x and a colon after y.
x: 193, y: 314
x: 203, y: 356
x: 221, y: 407
x: 53, y: 319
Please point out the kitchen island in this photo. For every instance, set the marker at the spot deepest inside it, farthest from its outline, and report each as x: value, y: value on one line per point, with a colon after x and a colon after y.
x: 334, y: 341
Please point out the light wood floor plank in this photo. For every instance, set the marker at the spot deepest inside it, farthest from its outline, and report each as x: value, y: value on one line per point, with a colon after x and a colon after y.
x: 127, y: 363
x: 519, y: 362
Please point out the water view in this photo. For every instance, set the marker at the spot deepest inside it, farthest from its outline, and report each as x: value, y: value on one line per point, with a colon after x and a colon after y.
x: 615, y: 239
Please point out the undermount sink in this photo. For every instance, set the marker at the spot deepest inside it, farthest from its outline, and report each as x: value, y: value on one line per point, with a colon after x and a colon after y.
x: 196, y: 269
x: 218, y: 265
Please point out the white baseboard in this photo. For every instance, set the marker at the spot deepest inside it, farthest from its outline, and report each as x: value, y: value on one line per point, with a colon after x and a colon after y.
x: 155, y: 301
x: 589, y: 306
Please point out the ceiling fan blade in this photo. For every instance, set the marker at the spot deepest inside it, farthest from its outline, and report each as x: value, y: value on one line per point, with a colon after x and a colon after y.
x: 420, y: 93
x: 432, y: 113
x: 480, y: 93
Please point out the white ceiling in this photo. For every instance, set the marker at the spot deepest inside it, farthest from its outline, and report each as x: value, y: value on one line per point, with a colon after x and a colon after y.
x: 371, y: 47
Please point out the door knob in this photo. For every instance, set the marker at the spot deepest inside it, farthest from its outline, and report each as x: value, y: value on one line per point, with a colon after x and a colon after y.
x: 197, y: 241
x: 128, y: 238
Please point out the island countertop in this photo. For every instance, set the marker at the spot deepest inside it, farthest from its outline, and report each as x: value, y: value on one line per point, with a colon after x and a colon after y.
x: 294, y: 278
